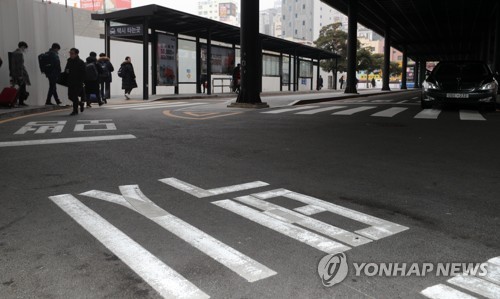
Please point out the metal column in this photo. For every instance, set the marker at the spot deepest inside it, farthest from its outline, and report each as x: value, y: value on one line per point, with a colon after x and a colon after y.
x: 289, y: 72
x: 145, y: 60
x: 423, y: 69
x: 387, y: 59
x: 281, y: 71
x: 154, y: 61
x: 107, y: 37
x: 335, y: 74
x: 209, y: 61
x: 198, y: 65
x: 352, y: 43
x: 251, y: 61
x: 416, y: 75
x: 176, y: 88
x: 496, y: 48
x: 404, y: 66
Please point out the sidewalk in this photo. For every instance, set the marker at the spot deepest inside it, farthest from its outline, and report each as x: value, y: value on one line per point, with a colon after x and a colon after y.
x: 273, y: 99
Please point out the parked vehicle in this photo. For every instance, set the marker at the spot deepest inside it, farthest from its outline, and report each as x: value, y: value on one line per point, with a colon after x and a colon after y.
x: 460, y: 82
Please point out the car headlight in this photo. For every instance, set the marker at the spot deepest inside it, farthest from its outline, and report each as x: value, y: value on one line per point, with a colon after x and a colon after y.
x: 489, y: 86
x: 429, y: 85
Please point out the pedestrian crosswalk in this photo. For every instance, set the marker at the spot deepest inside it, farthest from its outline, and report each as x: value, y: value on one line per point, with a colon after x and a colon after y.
x: 382, y: 112
x: 153, y: 105
x: 297, y: 224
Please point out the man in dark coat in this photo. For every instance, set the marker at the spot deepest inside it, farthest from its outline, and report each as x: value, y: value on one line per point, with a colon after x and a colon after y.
x: 92, y: 74
x: 53, y: 73
x: 105, y: 78
x: 75, y: 72
x: 18, y: 72
x: 127, y: 74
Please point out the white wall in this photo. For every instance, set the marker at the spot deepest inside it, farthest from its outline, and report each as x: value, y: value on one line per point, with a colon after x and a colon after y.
x: 39, y: 25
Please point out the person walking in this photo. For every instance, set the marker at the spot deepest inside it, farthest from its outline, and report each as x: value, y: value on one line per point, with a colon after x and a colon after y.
x: 105, y: 77
x: 341, y: 81
x: 75, y: 72
x: 320, y: 83
x: 126, y: 72
x: 92, y: 81
x: 18, y: 72
x: 1, y: 62
x: 236, y: 78
x: 52, y: 72
x: 373, y: 82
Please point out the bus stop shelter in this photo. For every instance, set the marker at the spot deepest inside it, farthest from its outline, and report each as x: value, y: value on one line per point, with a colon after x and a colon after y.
x: 152, y: 22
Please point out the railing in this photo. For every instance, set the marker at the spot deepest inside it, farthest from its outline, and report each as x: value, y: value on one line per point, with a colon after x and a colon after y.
x: 221, y: 85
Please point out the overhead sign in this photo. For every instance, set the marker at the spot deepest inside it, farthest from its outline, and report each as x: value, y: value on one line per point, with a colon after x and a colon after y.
x: 126, y: 30
x: 95, y: 5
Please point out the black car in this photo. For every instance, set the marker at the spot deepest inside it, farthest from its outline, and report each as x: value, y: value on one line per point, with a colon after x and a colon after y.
x: 460, y: 82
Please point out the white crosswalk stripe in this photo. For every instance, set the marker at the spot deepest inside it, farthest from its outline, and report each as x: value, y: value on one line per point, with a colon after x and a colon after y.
x: 428, y: 114
x: 389, y: 112
x: 354, y: 110
x: 126, y: 106
x: 289, y: 109
x: 442, y: 291
x: 156, y: 105
x: 470, y: 115
x: 314, y: 111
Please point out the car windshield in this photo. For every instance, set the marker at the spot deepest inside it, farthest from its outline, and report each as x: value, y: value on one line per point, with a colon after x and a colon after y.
x: 461, y: 70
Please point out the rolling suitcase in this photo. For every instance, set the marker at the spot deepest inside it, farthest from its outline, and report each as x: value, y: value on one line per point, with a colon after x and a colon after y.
x: 8, y: 97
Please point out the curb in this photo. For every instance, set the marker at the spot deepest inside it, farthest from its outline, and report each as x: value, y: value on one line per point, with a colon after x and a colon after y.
x: 28, y: 111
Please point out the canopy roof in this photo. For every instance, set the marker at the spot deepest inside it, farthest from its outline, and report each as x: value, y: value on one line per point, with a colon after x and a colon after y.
x: 173, y: 21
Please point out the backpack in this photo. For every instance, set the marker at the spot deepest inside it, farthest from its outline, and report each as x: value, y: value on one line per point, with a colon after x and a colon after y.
x: 120, y: 72
x: 91, y: 73
x: 44, y: 62
x: 105, y: 73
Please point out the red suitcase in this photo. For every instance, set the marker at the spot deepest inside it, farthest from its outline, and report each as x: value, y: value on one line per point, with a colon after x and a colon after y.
x: 8, y: 96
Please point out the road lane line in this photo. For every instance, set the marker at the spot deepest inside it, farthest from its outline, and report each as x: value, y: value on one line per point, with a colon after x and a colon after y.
x: 304, y: 221
x: 168, y: 106
x: 236, y: 261
x: 428, y: 114
x: 389, y: 112
x: 402, y: 102
x: 65, y: 140
x: 354, y: 110
x: 126, y: 106
x: 201, y: 193
x: 442, y: 291
x: 309, y: 210
x: 167, y: 282
x: 471, y: 115
x: 493, y: 270
x: 378, y: 229
x: 290, y: 109
x: 476, y: 285
x: 287, y: 229
x: 314, y: 111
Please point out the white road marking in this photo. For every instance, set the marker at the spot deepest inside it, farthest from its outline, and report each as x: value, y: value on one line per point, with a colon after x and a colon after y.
x: 389, y: 112
x: 200, y: 193
x: 378, y: 229
x: 416, y: 98
x: 167, y: 106
x: 135, y: 200
x: 354, y: 110
x: 381, y: 101
x: 287, y: 229
x: 402, y: 102
x: 314, y: 111
x: 127, y: 106
x: 428, y: 114
x: 167, y: 282
x: 289, y: 216
x: 309, y: 210
x: 471, y: 115
x: 493, y: 270
x: 476, y: 285
x: 65, y: 140
x: 289, y: 109
x: 442, y: 291
x: 41, y: 127
x: 95, y: 125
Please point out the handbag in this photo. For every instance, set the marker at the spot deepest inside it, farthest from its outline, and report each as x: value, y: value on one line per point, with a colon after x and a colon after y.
x: 63, y: 79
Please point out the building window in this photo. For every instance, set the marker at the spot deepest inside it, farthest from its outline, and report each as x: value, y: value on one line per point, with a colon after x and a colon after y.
x: 303, y: 6
x: 296, y: 15
x: 303, y: 23
x: 295, y: 31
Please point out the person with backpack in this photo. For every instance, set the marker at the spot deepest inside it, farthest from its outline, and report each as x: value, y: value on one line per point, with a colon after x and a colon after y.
x: 126, y: 72
x: 105, y: 77
x: 50, y: 65
x: 92, y: 73
x: 18, y: 72
x: 75, y: 71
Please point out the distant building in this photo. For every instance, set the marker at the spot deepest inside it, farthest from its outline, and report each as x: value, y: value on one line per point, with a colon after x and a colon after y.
x: 225, y: 11
x: 270, y: 22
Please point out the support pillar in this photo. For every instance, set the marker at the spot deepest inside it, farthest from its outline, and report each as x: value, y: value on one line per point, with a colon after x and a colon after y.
x: 387, y: 59
x: 107, y: 37
x: 249, y: 95
x: 318, y: 72
x: 416, y: 75
x: 176, y: 87
x: 281, y: 71
x: 404, y: 66
x: 198, y: 65
x: 423, y: 69
x: 289, y: 72
x: 352, y: 44
x: 145, y: 60
x: 209, y: 61
x: 335, y: 79
x: 496, y: 48
x: 154, y: 61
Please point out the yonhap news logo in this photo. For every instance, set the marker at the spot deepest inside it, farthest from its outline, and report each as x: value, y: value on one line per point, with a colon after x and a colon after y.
x: 333, y: 269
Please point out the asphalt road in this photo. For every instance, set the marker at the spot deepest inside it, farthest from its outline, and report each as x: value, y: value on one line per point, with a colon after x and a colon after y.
x: 430, y: 179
